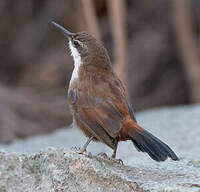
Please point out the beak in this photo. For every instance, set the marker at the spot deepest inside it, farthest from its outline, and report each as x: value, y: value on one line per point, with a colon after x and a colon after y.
x: 65, y: 31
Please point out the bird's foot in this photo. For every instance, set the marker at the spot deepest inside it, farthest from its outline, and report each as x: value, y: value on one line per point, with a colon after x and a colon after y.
x: 81, y: 151
x: 105, y: 156
x: 118, y: 161
x: 76, y: 149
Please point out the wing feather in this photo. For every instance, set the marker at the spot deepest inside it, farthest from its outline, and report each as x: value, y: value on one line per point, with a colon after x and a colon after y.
x: 102, y: 113
x: 89, y: 121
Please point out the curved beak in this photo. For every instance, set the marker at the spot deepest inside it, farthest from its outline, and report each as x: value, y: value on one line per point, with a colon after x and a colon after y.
x: 65, y: 31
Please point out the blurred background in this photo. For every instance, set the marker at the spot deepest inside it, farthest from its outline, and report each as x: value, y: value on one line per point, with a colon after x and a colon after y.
x: 153, y: 45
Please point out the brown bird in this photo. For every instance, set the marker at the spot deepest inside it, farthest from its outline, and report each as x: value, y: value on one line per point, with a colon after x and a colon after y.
x: 98, y: 100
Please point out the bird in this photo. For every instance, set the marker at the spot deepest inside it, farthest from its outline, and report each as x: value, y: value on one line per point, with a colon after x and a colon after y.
x: 98, y: 100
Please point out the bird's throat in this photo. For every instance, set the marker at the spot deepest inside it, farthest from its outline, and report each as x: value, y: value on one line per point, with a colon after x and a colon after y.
x: 77, y: 63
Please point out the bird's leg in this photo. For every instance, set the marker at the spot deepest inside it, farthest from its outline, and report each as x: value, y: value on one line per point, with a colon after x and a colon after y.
x: 114, y: 156
x: 104, y: 155
x: 86, y: 144
x: 114, y: 152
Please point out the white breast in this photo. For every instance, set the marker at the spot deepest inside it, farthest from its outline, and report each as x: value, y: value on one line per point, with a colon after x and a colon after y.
x: 77, y: 62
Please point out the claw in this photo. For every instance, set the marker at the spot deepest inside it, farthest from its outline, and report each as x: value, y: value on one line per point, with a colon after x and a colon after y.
x: 118, y: 161
x: 105, y: 156
x: 89, y: 154
x: 76, y: 149
x: 81, y: 151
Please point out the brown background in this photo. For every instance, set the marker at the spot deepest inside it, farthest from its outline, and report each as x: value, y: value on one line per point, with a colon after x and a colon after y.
x: 35, y: 65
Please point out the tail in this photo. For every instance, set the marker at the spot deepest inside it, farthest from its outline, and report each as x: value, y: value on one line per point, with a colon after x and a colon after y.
x: 146, y: 142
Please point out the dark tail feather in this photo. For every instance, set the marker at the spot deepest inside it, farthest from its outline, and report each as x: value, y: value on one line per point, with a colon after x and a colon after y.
x: 146, y: 142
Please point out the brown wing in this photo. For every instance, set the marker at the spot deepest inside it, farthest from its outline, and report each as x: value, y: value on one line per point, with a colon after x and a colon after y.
x: 99, y: 116
x: 99, y: 124
x: 102, y: 113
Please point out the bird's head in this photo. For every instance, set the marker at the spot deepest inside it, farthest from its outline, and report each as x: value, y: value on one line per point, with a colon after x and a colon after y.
x: 85, y: 48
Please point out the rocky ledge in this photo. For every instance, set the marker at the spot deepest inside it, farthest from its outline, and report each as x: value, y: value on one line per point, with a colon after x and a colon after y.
x: 59, y: 170
x: 25, y: 167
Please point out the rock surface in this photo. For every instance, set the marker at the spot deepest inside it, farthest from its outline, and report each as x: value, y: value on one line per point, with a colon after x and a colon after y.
x: 62, y: 170
x: 25, y: 167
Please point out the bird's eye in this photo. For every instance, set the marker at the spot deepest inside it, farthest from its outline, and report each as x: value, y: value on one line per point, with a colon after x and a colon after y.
x: 76, y: 42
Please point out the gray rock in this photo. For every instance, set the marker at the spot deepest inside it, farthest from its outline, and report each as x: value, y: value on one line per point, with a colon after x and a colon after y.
x: 57, y: 170
x: 60, y: 169
x: 63, y: 170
